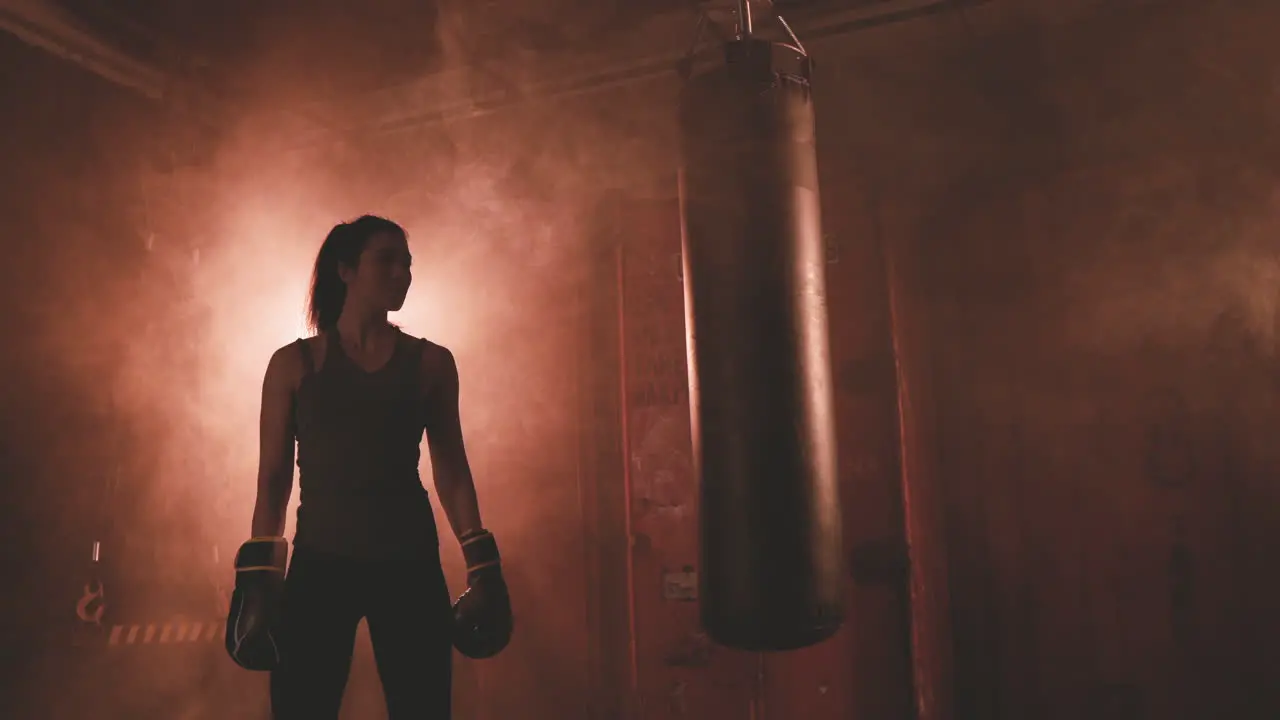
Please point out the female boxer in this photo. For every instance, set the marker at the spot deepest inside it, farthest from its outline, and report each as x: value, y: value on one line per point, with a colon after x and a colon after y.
x: 356, y: 398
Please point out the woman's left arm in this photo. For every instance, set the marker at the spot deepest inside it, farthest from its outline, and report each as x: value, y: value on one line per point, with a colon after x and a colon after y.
x: 452, y: 473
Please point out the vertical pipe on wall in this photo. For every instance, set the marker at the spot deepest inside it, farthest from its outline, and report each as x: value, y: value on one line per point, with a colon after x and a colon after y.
x: 587, y: 518
x: 903, y: 408
x: 633, y: 668
x: 927, y: 581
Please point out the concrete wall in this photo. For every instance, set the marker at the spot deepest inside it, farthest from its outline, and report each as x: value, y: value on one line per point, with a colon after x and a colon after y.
x: 1087, y: 200
x: 1075, y: 203
x: 1050, y: 224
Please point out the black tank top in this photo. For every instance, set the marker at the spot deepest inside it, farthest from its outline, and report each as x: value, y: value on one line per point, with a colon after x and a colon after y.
x: 359, y: 437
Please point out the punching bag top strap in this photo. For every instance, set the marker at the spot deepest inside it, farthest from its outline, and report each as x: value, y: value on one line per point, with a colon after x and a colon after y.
x: 769, y: 58
x: 759, y: 63
x: 763, y: 59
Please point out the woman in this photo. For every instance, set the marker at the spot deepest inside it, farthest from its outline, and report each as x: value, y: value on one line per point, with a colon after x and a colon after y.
x: 356, y: 397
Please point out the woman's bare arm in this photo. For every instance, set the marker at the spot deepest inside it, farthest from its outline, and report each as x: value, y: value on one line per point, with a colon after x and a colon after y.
x: 276, y: 443
x: 454, y: 484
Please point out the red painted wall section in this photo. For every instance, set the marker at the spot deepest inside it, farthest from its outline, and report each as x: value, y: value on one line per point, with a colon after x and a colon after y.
x: 865, y: 671
x: 679, y: 673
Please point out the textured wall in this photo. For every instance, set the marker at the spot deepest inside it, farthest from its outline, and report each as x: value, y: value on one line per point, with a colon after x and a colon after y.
x: 1079, y: 202
x: 1089, y: 203
x: 1067, y: 212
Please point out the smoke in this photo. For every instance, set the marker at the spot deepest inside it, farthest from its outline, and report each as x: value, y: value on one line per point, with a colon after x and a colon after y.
x: 246, y: 289
x: 492, y: 208
x: 1170, y: 263
x: 1174, y: 301
x: 156, y: 296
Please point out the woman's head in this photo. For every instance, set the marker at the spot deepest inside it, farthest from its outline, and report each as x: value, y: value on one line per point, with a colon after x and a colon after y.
x: 363, y: 264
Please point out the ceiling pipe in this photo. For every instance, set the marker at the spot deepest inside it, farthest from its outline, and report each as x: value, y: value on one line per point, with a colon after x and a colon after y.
x: 826, y: 24
x: 45, y: 25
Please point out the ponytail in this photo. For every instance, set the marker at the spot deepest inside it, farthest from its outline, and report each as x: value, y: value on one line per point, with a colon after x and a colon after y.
x: 342, y: 246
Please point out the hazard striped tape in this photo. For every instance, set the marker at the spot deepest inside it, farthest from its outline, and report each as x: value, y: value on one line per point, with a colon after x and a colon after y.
x: 171, y: 633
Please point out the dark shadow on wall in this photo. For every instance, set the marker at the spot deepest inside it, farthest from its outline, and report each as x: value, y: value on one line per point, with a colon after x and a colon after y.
x: 1102, y: 280
x: 71, y: 244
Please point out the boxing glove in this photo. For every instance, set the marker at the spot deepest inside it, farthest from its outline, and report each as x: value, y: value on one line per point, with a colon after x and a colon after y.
x: 482, y: 622
x: 255, y: 603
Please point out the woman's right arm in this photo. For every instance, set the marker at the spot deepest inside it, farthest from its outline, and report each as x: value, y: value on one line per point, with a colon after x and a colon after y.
x: 276, y: 443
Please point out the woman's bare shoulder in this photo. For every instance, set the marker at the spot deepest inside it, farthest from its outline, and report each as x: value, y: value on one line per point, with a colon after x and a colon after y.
x: 436, y: 358
x: 290, y: 361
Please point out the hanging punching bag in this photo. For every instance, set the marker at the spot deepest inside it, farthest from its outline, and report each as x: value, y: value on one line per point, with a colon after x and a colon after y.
x: 759, y: 365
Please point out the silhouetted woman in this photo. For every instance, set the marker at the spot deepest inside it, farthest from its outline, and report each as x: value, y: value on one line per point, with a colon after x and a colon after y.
x: 356, y: 398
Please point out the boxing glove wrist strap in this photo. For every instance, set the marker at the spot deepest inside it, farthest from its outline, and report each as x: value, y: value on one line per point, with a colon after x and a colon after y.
x: 480, y: 550
x: 260, y: 554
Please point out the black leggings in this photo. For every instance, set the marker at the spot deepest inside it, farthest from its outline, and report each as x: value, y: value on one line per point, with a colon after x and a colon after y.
x: 407, y: 606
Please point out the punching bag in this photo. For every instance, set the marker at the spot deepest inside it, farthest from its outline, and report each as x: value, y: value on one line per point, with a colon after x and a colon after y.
x: 759, y: 361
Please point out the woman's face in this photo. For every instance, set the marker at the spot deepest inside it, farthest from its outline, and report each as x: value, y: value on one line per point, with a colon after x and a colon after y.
x: 382, y: 277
